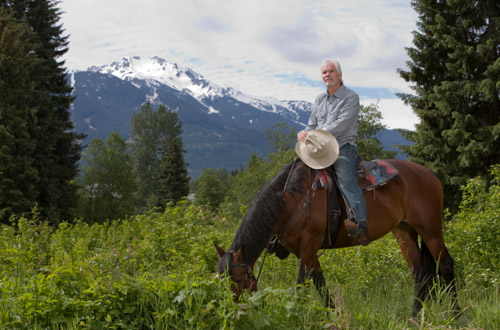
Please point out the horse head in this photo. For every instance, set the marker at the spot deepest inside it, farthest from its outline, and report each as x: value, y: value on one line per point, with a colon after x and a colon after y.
x: 233, y: 264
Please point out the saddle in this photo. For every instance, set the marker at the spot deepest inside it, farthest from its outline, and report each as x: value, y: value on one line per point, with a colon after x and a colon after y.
x: 371, y: 175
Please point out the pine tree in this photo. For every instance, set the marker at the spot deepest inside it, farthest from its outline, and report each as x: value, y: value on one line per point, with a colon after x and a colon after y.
x: 57, y: 150
x: 174, y: 180
x: 455, y: 71
x: 18, y: 176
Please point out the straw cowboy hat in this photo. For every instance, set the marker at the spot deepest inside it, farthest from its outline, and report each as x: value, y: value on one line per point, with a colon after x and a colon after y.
x: 319, y: 150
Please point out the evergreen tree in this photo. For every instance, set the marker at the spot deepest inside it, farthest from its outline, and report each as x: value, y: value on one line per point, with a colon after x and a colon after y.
x: 18, y: 176
x: 57, y: 149
x: 108, y: 181
x: 151, y: 131
x: 455, y: 72
x: 174, y: 180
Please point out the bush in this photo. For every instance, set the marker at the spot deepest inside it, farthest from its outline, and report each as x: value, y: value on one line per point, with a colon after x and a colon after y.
x: 474, y: 233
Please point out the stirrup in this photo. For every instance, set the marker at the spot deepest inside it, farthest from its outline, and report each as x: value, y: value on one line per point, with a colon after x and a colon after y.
x: 357, y: 230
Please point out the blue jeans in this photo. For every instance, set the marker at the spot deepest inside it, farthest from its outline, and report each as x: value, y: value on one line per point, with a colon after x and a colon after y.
x: 345, y: 169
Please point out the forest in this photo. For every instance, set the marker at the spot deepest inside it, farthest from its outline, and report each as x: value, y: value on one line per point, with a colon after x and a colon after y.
x: 117, y: 236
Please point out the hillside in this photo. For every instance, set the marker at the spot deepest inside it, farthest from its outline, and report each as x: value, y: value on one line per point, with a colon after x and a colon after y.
x: 221, y: 126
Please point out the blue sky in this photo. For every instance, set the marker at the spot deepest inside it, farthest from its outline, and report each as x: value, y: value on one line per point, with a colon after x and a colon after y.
x: 268, y: 48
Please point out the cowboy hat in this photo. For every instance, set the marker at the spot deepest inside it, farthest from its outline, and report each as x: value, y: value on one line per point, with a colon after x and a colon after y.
x: 319, y: 150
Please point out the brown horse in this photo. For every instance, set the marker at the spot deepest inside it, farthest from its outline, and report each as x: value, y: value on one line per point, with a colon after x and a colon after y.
x: 290, y: 208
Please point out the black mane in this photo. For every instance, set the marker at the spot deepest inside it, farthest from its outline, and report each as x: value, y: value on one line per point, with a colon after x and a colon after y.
x: 257, y: 226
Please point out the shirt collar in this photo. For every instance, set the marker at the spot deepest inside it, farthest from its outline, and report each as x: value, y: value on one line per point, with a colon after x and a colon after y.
x: 337, y: 92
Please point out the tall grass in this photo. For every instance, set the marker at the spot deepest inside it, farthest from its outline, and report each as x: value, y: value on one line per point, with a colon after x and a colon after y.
x: 157, y: 271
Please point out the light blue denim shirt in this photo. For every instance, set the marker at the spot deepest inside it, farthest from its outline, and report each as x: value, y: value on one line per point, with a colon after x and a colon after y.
x: 337, y: 114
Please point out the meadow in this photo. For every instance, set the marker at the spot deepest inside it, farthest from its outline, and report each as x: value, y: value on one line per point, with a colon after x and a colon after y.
x: 157, y: 271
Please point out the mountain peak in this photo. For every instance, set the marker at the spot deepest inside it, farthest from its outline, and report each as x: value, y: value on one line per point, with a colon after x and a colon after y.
x: 156, y: 69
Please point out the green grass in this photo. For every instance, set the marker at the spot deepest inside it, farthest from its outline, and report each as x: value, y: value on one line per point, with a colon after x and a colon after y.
x: 157, y: 271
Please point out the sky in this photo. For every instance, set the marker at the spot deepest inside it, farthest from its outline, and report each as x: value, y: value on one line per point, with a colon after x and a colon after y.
x: 264, y: 48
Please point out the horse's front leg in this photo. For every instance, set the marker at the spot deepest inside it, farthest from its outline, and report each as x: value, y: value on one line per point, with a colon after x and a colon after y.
x: 314, y: 271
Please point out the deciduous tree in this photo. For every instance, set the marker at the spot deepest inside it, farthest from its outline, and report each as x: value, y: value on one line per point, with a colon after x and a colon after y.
x: 152, y: 132
x: 108, y: 185
x: 370, y: 126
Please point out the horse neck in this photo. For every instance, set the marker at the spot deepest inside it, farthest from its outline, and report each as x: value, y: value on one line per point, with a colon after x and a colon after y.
x: 259, y: 224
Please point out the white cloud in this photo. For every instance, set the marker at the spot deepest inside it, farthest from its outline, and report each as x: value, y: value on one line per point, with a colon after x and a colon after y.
x: 265, y: 48
x: 395, y: 113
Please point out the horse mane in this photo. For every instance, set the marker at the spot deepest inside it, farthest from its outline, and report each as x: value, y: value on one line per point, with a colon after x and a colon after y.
x: 263, y: 213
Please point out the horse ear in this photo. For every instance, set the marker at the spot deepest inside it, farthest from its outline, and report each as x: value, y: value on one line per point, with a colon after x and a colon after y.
x: 240, y: 254
x: 220, y: 251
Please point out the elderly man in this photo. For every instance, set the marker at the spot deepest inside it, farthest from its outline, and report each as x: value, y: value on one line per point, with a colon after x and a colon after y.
x: 336, y: 110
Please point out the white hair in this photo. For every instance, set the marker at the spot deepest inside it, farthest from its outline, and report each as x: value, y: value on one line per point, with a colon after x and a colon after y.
x: 337, y: 66
x: 336, y: 63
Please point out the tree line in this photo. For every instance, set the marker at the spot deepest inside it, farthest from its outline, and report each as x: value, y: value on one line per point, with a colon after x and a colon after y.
x: 454, y: 69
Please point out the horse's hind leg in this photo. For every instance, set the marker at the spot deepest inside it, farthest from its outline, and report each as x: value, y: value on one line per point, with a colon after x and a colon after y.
x: 408, y: 243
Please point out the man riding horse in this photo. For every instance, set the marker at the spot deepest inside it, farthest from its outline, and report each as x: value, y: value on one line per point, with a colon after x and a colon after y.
x: 336, y: 111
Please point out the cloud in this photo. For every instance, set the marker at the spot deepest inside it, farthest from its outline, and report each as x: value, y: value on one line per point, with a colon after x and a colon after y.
x: 395, y: 113
x: 265, y: 48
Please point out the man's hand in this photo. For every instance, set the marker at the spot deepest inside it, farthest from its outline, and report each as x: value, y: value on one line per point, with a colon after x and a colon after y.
x: 301, y: 136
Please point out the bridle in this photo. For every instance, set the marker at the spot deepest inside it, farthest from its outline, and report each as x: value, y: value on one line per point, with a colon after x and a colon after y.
x: 249, y: 276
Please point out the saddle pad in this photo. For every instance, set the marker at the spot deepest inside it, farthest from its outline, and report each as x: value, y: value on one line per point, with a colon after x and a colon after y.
x: 375, y: 174
x: 325, y: 180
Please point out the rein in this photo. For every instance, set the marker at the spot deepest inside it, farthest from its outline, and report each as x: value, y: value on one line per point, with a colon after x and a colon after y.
x: 306, y: 202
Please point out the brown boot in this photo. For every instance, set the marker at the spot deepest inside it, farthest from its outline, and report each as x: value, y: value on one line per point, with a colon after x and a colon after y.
x: 357, y: 230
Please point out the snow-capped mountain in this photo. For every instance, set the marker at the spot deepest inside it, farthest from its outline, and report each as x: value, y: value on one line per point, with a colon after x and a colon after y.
x: 155, y: 71
x: 221, y: 126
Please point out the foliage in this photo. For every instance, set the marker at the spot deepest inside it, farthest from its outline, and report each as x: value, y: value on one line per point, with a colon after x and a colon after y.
x: 475, y: 232
x: 455, y: 70
x: 56, y: 147
x: 157, y: 271
x: 369, y: 146
x: 247, y: 182
x: 211, y: 187
x: 108, y: 181
x: 151, y: 131
x: 280, y: 137
x: 18, y: 175
x: 174, y: 180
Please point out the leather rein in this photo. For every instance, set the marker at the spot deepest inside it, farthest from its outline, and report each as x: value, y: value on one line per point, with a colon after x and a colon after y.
x: 305, y: 203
